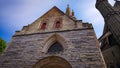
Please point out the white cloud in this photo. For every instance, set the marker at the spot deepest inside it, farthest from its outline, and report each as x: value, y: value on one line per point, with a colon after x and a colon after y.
x: 91, y: 14
x: 111, y: 2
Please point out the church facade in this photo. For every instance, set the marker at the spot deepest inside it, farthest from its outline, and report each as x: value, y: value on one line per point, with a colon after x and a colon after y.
x: 55, y: 40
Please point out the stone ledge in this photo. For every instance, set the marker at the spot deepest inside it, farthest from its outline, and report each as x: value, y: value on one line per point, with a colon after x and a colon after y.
x: 52, y: 32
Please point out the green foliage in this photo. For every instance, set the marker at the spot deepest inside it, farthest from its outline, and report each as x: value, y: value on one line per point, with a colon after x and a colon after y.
x: 2, y: 45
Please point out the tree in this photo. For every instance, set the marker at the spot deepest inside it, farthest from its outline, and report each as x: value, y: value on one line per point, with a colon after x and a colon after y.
x: 2, y: 45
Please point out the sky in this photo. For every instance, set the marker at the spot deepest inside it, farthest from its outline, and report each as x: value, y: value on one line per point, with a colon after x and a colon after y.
x: 14, y: 14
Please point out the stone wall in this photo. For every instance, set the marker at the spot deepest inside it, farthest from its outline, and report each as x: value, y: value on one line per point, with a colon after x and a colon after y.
x: 81, y: 49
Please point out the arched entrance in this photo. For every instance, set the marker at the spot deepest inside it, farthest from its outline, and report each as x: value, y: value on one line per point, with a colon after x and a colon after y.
x: 52, y: 62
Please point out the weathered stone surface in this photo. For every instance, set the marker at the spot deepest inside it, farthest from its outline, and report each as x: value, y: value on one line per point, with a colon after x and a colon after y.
x: 30, y: 45
x: 27, y: 50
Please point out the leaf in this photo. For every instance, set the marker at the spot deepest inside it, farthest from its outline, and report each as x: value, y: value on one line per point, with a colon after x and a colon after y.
x: 2, y: 45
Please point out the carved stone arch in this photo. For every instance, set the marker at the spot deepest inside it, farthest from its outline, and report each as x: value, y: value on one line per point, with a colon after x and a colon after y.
x: 42, y: 22
x: 52, y: 62
x: 59, y: 19
x: 51, y: 40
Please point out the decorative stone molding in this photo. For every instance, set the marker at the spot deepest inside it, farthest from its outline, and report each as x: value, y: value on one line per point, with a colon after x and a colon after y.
x: 51, y: 62
x: 60, y: 20
x: 43, y: 21
x: 51, y: 40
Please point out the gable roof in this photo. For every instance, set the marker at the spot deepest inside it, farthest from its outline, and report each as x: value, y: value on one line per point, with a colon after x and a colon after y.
x: 51, y: 10
x: 55, y: 8
x: 54, y: 13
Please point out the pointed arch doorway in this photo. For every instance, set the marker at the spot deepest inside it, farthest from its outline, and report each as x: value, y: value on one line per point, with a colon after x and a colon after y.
x: 52, y: 62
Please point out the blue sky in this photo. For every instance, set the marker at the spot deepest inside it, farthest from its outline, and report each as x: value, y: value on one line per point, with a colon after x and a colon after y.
x: 14, y: 14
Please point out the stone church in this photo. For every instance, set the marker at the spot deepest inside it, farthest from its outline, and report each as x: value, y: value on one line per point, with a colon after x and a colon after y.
x: 55, y: 40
